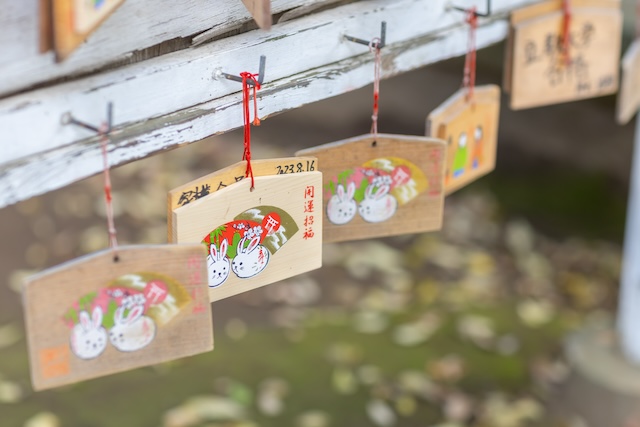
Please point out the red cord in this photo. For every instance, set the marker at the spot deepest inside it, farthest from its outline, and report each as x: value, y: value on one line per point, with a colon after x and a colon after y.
x: 566, y: 24
x: 246, y: 77
x: 113, y: 242
x: 469, y: 81
x: 374, y: 46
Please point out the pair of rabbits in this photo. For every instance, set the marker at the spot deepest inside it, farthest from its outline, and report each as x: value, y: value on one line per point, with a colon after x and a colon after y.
x: 376, y: 206
x: 129, y: 333
x: 248, y: 262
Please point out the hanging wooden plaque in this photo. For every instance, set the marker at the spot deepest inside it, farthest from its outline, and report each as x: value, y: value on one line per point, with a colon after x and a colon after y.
x: 201, y: 187
x: 470, y: 130
x: 258, y: 237
x: 629, y: 95
x: 540, y: 74
x: 93, y: 317
x: 74, y: 20
x: 261, y: 12
x: 380, y: 186
x: 536, y: 10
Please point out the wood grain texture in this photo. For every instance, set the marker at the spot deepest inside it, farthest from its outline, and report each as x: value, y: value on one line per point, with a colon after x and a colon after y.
x: 223, y: 178
x: 172, y: 280
x: 526, y: 13
x: 137, y: 25
x: 629, y: 94
x: 135, y: 89
x: 261, y: 12
x: 294, y: 248
x: 37, y: 159
x: 404, y: 206
x: 541, y: 77
x: 458, y: 118
x: 46, y: 25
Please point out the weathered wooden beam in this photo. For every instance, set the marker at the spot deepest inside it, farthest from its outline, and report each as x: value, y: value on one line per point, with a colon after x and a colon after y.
x: 137, y: 25
x: 172, y: 100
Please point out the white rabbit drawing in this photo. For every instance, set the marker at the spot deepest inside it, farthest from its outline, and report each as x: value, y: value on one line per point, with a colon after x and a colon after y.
x: 378, y: 206
x: 341, y: 207
x: 251, y: 260
x: 133, y: 332
x: 89, y: 338
x: 219, y: 265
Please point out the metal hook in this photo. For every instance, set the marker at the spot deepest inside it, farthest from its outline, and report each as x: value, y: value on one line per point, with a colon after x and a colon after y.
x: 68, y: 119
x: 263, y: 63
x: 484, y: 15
x: 383, y: 37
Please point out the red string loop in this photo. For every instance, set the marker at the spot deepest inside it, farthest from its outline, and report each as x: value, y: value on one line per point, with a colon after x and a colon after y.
x: 246, y: 78
x: 566, y: 26
x: 469, y: 81
x: 374, y: 46
x: 113, y: 242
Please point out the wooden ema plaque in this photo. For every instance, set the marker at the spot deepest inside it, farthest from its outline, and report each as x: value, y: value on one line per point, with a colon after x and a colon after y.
x: 388, y: 188
x: 470, y: 130
x: 261, y: 12
x: 539, y: 73
x: 629, y: 95
x: 534, y: 11
x: 93, y: 317
x: 254, y: 238
x: 201, y: 187
x: 72, y: 21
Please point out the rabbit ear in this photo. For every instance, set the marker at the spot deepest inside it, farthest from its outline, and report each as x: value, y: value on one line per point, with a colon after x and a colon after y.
x: 253, y: 244
x: 135, y: 313
x: 340, y: 192
x: 351, y: 190
x: 368, y: 192
x: 223, y: 250
x: 96, y: 316
x: 85, y: 321
x: 382, y: 191
x: 241, y: 243
x: 118, y: 316
x: 213, y: 251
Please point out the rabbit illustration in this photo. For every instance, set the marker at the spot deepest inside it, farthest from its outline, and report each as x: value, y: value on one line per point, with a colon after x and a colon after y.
x: 341, y: 207
x: 251, y: 260
x: 378, y: 206
x: 89, y: 338
x: 133, y: 332
x: 219, y: 265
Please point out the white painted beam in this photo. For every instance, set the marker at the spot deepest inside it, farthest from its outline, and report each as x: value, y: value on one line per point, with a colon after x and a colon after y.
x: 137, y: 25
x: 173, y: 99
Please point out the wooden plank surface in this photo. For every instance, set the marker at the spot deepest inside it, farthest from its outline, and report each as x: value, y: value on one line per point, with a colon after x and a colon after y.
x: 291, y: 245
x: 139, y: 25
x: 384, y: 185
x: 541, y: 77
x: 148, y: 120
x: 205, y: 185
x: 94, y: 316
x: 261, y: 12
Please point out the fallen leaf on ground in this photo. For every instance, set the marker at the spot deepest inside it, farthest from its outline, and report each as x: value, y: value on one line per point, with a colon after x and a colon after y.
x: 9, y: 335
x: 449, y: 369
x: 199, y: 409
x: 381, y: 413
x: 417, y: 332
x: 535, y: 313
x: 370, y: 321
x: 313, y: 419
x: 43, y: 419
x: 343, y: 381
